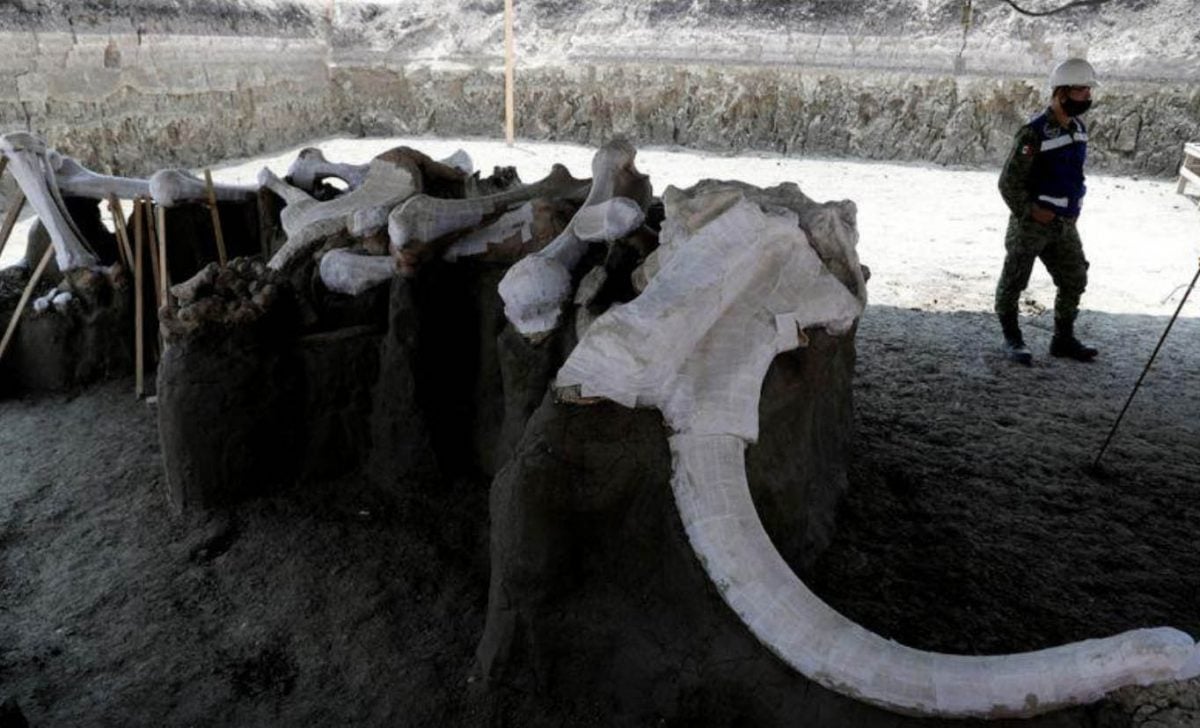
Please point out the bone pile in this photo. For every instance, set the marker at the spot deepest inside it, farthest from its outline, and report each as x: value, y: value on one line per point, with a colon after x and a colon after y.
x: 243, y: 292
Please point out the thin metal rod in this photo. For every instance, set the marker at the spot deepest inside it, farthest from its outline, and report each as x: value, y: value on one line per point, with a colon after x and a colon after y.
x: 1161, y: 339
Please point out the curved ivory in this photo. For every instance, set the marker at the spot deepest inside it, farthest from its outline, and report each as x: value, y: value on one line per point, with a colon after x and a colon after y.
x: 171, y: 187
x: 696, y: 344
x: 423, y: 219
x: 307, y: 222
x: 30, y: 164
x: 535, y: 288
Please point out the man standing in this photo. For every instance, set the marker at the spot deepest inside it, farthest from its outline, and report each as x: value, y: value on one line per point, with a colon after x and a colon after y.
x: 1042, y: 184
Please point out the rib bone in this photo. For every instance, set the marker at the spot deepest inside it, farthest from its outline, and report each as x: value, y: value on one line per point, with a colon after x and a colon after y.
x: 536, y: 287
x: 29, y: 162
x: 696, y: 344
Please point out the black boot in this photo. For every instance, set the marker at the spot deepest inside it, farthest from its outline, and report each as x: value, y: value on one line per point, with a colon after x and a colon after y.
x: 1014, y: 343
x: 1065, y: 345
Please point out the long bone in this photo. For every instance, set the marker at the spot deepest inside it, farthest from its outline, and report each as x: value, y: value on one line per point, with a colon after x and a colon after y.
x: 535, y: 288
x: 79, y: 181
x: 29, y: 162
x: 171, y: 187
x: 696, y: 344
x: 311, y: 167
x: 307, y: 222
x: 423, y: 219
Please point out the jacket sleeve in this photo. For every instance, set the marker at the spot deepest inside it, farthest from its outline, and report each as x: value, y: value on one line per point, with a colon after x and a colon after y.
x: 1018, y: 169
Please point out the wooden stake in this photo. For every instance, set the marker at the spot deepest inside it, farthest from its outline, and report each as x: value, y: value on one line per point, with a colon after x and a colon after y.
x: 266, y: 228
x: 152, y: 244
x: 509, y: 61
x: 139, y: 333
x: 163, y: 278
x: 10, y: 218
x: 118, y: 218
x: 16, y: 316
x: 216, y: 218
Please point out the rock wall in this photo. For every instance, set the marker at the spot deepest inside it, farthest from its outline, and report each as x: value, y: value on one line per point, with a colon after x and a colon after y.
x: 130, y: 88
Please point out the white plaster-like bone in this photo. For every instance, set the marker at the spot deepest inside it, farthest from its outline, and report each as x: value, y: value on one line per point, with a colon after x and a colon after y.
x: 29, y: 162
x: 307, y: 221
x: 79, y: 181
x: 311, y: 167
x: 351, y: 273
x: 535, y: 288
x: 737, y: 286
x: 171, y: 187
x: 423, y: 219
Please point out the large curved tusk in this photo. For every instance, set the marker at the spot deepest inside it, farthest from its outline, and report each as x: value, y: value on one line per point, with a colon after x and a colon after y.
x: 696, y: 344
x: 713, y: 497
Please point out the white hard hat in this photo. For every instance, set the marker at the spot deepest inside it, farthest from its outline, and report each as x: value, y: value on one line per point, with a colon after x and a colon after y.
x: 1073, y: 72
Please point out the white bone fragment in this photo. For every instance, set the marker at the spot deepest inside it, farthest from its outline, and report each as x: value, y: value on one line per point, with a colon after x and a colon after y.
x: 29, y: 163
x: 78, y: 181
x: 311, y: 167
x: 514, y: 222
x: 609, y: 220
x: 351, y: 273
x: 307, y: 222
x: 535, y: 288
x: 735, y: 288
x: 60, y: 300
x: 423, y: 219
x: 171, y: 187
x: 42, y: 303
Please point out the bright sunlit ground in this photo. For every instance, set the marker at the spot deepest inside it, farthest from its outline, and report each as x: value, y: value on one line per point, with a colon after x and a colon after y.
x: 933, y: 237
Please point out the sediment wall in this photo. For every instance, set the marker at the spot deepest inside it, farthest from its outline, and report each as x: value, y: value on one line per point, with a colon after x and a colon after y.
x: 134, y: 88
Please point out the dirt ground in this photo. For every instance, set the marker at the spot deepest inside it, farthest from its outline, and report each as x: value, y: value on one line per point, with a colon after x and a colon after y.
x: 974, y: 524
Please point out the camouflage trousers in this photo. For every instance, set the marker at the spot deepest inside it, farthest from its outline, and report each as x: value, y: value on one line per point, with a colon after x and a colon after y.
x: 1058, y: 246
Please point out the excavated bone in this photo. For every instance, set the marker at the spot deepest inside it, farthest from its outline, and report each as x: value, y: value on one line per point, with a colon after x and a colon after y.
x: 171, y: 187
x: 30, y: 165
x: 79, y: 181
x: 535, y: 288
x: 423, y: 219
x: 307, y: 222
x: 351, y: 273
x: 516, y: 233
x: 696, y: 344
x: 311, y: 167
x: 609, y: 220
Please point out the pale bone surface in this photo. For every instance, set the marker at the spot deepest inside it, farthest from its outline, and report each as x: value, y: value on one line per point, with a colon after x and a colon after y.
x: 307, y: 222
x: 352, y: 273
x: 535, y: 289
x: 30, y: 164
x: 311, y: 167
x: 423, y: 219
x: 171, y: 187
x: 736, y: 285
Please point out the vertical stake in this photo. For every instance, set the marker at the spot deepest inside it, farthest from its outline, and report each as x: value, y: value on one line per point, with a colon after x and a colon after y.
x: 139, y: 334
x: 160, y: 214
x: 33, y: 281
x: 216, y: 218
x: 118, y: 218
x: 509, y: 61
x: 152, y: 245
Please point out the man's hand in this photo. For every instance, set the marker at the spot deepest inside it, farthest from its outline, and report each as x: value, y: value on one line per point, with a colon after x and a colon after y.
x: 1041, y: 214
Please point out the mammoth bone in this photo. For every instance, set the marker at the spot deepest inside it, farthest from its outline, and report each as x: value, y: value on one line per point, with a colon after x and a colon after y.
x: 423, y: 219
x: 536, y: 287
x: 311, y: 167
x: 33, y: 166
x: 739, y: 283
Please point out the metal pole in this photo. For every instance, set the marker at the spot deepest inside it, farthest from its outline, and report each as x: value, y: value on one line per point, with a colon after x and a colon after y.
x: 1161, y: 339
x: 509, y: 61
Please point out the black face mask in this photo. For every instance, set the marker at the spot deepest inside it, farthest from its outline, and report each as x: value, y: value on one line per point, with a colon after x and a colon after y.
x: 1074, y: 108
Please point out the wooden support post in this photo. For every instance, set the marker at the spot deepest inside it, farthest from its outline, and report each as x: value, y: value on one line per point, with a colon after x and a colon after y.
x: 509, y: 61
x: 152, y: 244
x: 266, y: 228
x: 139, y: 327
x: 164, y: 280
x: 216, y: 218
x: 10, y: 218
x: 118, y: 218
x: 29, y: 287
